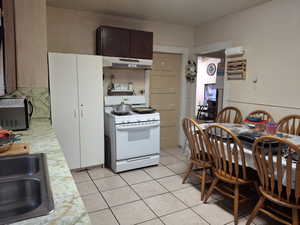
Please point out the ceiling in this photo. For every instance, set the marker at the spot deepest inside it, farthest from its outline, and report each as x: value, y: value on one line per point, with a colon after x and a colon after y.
x: 184, y: 12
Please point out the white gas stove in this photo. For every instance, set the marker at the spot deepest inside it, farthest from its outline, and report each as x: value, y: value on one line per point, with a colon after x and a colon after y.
x: 133, y: 140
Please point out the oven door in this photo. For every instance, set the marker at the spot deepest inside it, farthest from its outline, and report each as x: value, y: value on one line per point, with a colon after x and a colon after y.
x: 137, y: 139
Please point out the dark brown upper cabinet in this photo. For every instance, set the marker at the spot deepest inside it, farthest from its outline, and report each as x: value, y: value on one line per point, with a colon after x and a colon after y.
x: 120, y: 42
x: 141, y: 44
x: 113, y: 41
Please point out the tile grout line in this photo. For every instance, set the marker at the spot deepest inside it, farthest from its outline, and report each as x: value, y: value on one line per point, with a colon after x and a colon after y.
x: 184, y: 188
x: 144, y: 202
x: 190, y: 207
x: 168, y: 191
x: 105, y: 201
x: 153, y: 179
x: 142, y: 199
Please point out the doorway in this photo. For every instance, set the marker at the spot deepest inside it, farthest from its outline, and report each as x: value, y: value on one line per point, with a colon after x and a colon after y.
x: 210, y: 85
x: 165, y: 95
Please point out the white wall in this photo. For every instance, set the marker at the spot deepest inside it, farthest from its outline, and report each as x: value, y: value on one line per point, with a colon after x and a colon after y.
x: 270, y: 35
x: 75, y: 31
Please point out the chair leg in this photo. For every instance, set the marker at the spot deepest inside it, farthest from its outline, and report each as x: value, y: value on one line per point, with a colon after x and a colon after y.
x: 203, y: 181
x: 211, y: 188
x: 236, y: 203
x: 257, y: 188
x: 295, y: 217
x: 256, y: 209
x: 188, y: 172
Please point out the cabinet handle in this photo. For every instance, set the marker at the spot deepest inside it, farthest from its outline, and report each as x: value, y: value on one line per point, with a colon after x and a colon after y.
x: 81, y: 112
x: 74, y: 113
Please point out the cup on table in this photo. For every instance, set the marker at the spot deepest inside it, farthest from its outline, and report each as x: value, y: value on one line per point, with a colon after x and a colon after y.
x: 271, y: 128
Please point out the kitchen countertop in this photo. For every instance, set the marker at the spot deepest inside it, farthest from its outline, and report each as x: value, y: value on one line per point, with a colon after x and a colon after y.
x: 69, y: 208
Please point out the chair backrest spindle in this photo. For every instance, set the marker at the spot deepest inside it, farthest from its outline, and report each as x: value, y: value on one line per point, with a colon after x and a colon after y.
x: 229, y: 115
x: 228, y: 152
x: 197, y: 139
x: 263, y: 114
x: 290, y: 125
x: 273, y: 158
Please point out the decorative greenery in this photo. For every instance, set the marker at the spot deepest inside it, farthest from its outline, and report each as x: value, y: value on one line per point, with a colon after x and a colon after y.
x: 191, y: 71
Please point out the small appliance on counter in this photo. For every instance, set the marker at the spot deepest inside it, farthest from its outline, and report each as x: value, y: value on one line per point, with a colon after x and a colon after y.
x: 15, y: 113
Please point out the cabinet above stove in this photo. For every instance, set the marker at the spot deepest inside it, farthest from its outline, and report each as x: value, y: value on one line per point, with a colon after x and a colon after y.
x: 121, y: 42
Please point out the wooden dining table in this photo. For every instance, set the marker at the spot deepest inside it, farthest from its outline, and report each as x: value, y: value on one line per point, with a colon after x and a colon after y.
x: 241, y: 128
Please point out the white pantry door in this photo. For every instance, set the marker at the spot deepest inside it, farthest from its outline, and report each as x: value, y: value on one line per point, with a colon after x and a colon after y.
x: 64, y: 105
x: 90, y: 86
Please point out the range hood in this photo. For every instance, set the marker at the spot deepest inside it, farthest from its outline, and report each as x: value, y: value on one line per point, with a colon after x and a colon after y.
x: 127, y: 63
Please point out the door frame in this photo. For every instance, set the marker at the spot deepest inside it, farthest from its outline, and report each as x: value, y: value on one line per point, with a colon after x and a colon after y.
x: 184, y: 52
x: 210, y: 48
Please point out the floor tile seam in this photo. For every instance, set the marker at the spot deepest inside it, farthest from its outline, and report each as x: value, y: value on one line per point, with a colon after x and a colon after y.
x: 161, y: 177
x: 112, y: 189
x: 201, y: 216
x: 141, y: 182
x: 79, y: 182
x: 97, y: 210
x: 144, y: 202
x: 106, y: 202
x: 148, y: 221
x: 190, y: 207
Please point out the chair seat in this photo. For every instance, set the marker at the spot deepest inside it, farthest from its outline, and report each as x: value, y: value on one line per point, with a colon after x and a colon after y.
x: 251, y: 176
x: 206, y: 164
x: 230, y: 179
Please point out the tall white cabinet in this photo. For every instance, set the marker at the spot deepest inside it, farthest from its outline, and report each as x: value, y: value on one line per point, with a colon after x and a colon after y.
x: 77, y: 107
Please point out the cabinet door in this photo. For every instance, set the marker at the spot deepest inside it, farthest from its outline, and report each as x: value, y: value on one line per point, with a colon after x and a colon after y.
x: 10, y: 70
x: 64, y: 105
x: 90, y: 85
x: 113, y: 42
x: 141, y: 43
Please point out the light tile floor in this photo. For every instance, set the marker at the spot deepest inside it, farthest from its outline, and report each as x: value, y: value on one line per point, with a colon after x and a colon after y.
x: 154, y: 196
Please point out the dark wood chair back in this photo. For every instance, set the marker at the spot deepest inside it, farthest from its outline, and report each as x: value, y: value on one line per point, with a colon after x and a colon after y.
x: 290, y: 124
x: 197, y: 139
x: 228, y: 154
x: 229, y: 115
x: 273, y: 158
x: 263, y: 114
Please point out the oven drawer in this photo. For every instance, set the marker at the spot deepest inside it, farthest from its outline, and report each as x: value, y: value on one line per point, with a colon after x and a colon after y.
x: 138, y: 139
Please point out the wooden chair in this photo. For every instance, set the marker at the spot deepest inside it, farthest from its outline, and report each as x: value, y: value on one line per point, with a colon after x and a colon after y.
x: 276, y: 178
x: 230, y: 165
x: 290, y: 124
x: 200, y: 152
x: 229, y: 115
x: 263, y: 114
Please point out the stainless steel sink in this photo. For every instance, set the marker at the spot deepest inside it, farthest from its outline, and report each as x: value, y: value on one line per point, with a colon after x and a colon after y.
x: 19, y: 166
x: 24, y: 188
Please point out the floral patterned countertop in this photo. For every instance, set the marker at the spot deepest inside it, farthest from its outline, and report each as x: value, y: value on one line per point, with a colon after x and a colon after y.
x: 69, y: 208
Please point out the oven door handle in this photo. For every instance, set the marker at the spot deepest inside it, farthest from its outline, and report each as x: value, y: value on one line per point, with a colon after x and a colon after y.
x: 138, y: 127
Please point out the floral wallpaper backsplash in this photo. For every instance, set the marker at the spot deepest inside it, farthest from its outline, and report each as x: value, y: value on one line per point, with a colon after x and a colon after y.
x: 40, y: 100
